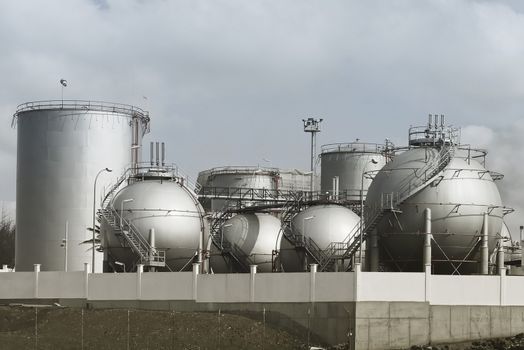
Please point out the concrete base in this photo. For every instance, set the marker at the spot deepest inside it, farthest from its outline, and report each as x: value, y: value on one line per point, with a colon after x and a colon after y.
x: 394, y: 325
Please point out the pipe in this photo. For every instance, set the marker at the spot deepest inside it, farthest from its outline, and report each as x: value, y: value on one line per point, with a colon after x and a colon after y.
x: 152, y: 238
x: 373, y: 259
x: 484, y: 252
x: 135, y: 144
x: 151, y: 153
x: 500, y: 256
x: 426, y: 253
x: 157, y: 153
x: 337, y: 187
x: 163, y: 153
x: 521, y: 250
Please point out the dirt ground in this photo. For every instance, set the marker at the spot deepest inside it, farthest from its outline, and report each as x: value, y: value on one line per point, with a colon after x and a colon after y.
x: 71, y: 328
x: 509, y: 343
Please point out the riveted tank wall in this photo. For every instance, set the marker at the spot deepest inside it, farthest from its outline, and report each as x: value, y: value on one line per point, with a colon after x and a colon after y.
x: 61, y: 148
x: 349, y: 162
x: 458, y: 199
x: 165, y: 206
x: 324, y: 224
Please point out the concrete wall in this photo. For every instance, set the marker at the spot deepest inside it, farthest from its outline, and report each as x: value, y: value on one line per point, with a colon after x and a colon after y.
x: 370, y: 310
x: 395, y: 325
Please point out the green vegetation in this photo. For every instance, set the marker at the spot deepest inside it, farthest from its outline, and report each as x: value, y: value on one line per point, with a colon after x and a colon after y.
x: 7, y: 242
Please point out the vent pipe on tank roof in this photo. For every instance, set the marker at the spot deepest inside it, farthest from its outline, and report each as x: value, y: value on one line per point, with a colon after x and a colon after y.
x: 163, y: 154
x: 157, y: 153
x: 151, y: 152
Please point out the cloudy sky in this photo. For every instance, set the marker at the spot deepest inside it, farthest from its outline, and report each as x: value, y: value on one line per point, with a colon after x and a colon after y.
x: 227, y: 82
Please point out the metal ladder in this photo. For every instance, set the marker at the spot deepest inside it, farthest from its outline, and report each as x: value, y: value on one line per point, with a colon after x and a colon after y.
x: 310, y: 247
x: 129, y: 236
x: 227, y: 248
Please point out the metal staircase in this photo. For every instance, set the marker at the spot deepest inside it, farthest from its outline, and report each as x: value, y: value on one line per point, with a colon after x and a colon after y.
x: 129, y: 236
x: 113, y: 189
x: 126, y: 232
x: 289, y: 210
x: 390, y: 202
x: 227, y: 248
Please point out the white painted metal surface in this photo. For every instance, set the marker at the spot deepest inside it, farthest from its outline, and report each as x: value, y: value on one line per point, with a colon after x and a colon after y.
x: 324, y: 224
x: 349, y: 161
x: 256, y: 235
x: 61, y: 147
x: 457, y: 201
x: 165, y: 206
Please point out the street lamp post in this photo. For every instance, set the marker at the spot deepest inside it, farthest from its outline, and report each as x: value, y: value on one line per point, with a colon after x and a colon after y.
x: 64, y: 244
x: 312, y: 126
x: 361, y: 217
x: 94, y: 217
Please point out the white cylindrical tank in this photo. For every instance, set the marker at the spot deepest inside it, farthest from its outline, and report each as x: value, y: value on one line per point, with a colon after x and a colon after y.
x: 229, y: 178
x: 165, y: 206
x: 256, y: 236
x: 348, y: 162
x: 62, y: 145
x: 324, y: 224
x: 458, y: 200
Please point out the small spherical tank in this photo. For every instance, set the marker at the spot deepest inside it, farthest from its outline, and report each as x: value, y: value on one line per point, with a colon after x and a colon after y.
x: 168, y: 208
x: 255, y: 235
x: 458, y: 198
x: 324, y: 224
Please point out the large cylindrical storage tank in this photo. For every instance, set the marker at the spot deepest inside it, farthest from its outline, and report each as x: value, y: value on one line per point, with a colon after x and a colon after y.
x: 348, y: 162
x: 62, y: 146
x: 222, y: 180
x: 168, y: 208
x: 324, y: 224
x: 255, y: 236
x: 458, y: 199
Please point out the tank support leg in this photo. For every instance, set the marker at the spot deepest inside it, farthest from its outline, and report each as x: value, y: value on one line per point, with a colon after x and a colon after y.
x: 373, y: 258
x: 426, y: 253
x: 500, y: 257
x: 484, y: 252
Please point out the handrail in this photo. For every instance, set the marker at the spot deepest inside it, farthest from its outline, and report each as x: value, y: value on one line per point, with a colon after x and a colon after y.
x: 411, y: 185
x: 429, y: 172
x: 101, y: 106
x: 144, y: 249
x: 142, y: 169
x: 357, y: 147
x: 264, y: 194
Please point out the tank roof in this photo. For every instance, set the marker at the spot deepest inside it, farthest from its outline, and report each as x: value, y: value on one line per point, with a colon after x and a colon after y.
x: 354, y: 147
x: 82, y: 105
x: 250, y: 169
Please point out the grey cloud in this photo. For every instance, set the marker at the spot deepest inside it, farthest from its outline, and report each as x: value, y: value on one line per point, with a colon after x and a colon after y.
x: 228, y: 81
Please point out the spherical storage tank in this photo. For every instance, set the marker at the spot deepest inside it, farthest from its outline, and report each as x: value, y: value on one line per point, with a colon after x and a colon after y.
x: 62, y: 146
x: 458, y: 198
x: 348, y: 162
x: 165, y: 206
x: 255, y: 236
x: 324, y: 224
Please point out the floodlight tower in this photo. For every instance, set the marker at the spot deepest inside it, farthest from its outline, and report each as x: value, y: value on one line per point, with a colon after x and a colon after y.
x: 312, y: 126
